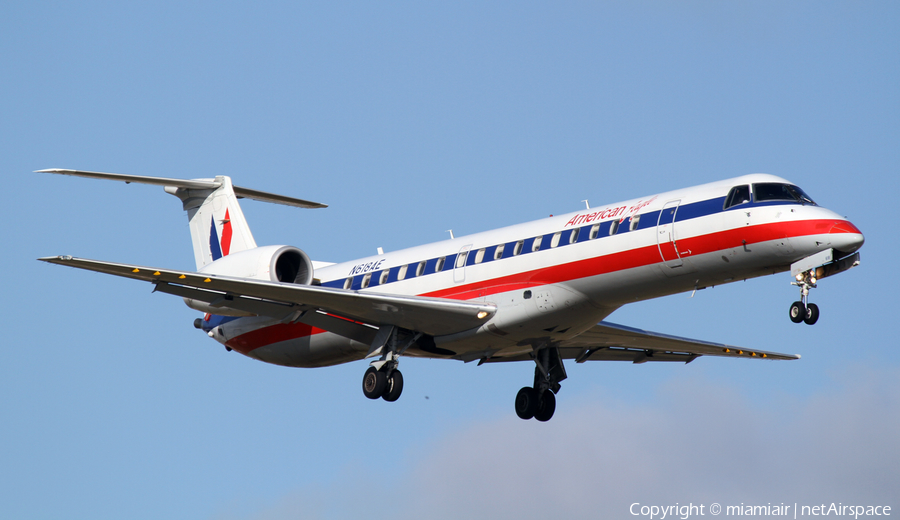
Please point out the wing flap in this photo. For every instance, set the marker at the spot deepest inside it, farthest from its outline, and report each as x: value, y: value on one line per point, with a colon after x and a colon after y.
x: 434, y: 316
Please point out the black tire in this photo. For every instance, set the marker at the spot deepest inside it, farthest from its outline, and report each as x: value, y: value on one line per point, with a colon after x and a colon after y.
x: 527, y: 402
x: 394, y: 387
x: 812, y: 314
x: 546, y: 407
x: 373, y: 383
x: 797, y: 312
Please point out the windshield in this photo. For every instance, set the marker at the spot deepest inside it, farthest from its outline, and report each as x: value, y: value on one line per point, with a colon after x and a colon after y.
x: 777, y: 191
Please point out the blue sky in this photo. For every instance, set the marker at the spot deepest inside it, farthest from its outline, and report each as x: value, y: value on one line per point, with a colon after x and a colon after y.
x: 409, y: 120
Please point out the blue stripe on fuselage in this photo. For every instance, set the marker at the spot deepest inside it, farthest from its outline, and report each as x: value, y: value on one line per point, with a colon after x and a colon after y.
x: 650, y: 219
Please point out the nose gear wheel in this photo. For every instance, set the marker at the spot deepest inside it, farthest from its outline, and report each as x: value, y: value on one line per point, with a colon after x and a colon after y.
x: 802, y: 310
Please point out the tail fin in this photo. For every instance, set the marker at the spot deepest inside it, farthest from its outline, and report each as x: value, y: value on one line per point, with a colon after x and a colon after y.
x: 218, y: 226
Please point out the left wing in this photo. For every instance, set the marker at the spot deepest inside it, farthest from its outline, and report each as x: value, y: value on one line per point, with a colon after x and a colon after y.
x: 612, y: 342
x: 434, y: 316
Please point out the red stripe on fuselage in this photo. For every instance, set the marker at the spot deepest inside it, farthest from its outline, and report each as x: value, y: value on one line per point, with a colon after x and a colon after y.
x: 249, y: 341
x: 605, y: 264
x: 639, y: 257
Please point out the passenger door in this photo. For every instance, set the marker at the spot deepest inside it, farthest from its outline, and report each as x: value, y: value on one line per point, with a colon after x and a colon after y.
x: 459, y: 268
x: 665, y: 235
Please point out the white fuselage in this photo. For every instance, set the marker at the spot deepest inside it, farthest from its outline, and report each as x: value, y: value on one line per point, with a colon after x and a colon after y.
x: 580, y: 271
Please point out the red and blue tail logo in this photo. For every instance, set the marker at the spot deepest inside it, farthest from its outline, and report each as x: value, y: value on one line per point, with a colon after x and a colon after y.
x: 216, y: 248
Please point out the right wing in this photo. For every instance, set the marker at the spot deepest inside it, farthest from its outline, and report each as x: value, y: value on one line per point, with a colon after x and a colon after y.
x: 433, y: 316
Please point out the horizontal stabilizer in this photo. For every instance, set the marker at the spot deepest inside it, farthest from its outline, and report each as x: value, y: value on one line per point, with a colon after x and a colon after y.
x: 194, y: 184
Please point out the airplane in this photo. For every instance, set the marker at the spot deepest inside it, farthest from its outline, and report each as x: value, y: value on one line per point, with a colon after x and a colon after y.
x: 537, y: 292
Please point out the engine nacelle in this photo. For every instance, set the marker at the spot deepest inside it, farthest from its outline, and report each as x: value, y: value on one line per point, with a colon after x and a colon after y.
x: 273, y: 263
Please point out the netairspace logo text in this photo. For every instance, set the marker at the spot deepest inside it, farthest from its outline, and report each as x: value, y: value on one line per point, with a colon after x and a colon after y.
x: 795, y: 510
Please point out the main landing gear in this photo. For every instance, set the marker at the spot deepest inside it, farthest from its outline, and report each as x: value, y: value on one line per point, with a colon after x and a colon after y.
x: 539, y: 401
x: 802, y: 310
x: 379, y: 383
x: 382, y: 378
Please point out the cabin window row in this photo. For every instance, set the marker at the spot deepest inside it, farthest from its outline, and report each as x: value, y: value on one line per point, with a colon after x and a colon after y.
x: 488, y: 254
x: 762, y: 193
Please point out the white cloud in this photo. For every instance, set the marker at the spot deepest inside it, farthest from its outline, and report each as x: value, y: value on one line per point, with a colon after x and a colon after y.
x: 698, y: 441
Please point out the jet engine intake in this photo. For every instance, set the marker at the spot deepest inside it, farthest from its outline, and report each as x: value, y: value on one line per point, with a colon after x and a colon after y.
x: 286, y: 264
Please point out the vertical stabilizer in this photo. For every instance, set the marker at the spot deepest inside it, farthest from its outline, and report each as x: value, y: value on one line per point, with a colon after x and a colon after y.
x: 218, y: 226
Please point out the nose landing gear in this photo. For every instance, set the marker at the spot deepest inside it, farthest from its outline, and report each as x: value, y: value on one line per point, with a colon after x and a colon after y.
x: 802, y: 310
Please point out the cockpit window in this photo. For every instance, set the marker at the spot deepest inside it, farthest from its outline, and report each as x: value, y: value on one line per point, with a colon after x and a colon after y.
x: 776, y: 191
x: 737, y: 195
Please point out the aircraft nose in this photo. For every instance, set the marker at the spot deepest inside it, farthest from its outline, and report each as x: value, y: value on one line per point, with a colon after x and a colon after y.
x: 846, y: 238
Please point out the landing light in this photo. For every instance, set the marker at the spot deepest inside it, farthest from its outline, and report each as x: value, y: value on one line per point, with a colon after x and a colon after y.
x: 482, y: 315
x: 800, y: 277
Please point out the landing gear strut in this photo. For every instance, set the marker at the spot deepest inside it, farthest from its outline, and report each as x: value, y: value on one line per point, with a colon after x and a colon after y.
x: 539, y: 401
x: 802, y: 310
x: 382, y: 378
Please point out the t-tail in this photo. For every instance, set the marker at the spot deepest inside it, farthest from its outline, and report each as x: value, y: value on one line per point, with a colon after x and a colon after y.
x: 218, y: 227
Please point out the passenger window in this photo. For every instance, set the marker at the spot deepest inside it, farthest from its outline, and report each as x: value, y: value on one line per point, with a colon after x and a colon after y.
x: 498, y: 252
x: 737, y: 195
x: 555, y: 240
x: 634, y: 222
x: 420, y: 269
x: 517, y: 250
x: 384, y: 275
x: 366, y: 279
x: 574, y: 236
x: 348, y: 282
x: 402, y: 274
x: 461, y: 259
x: 595, y: 230
x: 440, y: 264
x: 614, y: 227
x: 536, y: 246
x: 479, y: 256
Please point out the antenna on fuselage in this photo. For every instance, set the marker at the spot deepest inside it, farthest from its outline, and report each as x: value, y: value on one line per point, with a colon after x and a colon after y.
x: 586, y: 205
x: 451, y: 234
